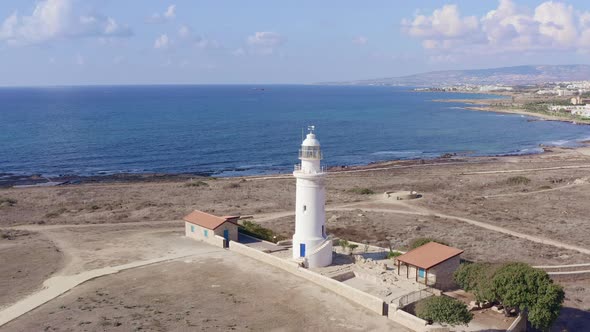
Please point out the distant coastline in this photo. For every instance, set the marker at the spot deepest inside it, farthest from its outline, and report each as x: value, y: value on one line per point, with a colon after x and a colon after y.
x: 487, y: 105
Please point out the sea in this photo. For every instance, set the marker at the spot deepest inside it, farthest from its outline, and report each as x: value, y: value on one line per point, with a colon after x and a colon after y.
x: 236, y: 130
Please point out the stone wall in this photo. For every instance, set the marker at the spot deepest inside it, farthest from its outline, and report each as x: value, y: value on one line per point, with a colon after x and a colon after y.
x: 415, y: 323
x: 443, y: 274
x: 519, y: 324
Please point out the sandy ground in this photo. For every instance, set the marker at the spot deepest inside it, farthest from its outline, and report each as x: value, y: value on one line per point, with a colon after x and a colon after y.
x: 26, y: 260
x: 551, y: 204
x: 216, y: 290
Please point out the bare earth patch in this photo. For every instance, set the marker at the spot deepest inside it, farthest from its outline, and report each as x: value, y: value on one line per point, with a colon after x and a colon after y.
x: 27, y: 260
x: 221, y: 291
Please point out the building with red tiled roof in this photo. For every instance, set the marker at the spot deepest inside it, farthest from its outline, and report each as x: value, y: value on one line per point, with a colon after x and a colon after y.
x: 216, y: 230
x: 432, y: 264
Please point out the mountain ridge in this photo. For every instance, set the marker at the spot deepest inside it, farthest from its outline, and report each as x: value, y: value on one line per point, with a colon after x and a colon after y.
x: 514, y: 75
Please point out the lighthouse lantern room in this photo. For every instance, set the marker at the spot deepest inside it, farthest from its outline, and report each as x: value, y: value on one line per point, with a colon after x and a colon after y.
x: 310, y: 242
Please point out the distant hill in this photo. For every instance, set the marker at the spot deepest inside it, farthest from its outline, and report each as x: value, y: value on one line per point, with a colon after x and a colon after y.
x: 519, y: 75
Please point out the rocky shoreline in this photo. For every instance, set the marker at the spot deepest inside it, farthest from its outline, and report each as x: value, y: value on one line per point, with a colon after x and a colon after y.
x: 36, y: 180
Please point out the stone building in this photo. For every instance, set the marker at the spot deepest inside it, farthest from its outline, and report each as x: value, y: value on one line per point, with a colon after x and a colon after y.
x: 206, y: 227
x: 432, y: 264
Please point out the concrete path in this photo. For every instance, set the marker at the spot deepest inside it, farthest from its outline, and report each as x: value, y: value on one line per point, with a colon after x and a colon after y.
x: 58, y: 285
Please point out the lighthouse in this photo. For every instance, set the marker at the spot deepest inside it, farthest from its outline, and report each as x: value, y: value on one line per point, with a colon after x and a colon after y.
x: 310, y: 242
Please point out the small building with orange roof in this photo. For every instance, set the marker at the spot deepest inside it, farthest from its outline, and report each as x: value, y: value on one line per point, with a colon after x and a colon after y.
x: 432, y: 264
x: 216, y: 230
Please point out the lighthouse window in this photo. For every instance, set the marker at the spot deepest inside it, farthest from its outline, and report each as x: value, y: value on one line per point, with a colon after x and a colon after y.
x: 304, y: 208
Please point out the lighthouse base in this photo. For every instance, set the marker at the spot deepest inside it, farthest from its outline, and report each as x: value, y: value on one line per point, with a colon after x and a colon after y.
x: 316, y: 252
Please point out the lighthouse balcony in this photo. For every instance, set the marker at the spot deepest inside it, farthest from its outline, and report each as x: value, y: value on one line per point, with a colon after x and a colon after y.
x: 321, y: 170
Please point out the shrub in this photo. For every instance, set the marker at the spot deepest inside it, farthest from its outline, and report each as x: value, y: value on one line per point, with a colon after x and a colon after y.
x: 444, y: 309
x: 362, y: 191
x: 343, y: 244
x: 352, y: 246
x: 256, y: 230
x: 56, y: 213
x: 196, y: 184
x: 393, y: 254
x: 517, y: 180
x: 418, y: 242
x: 232, y: 185
x: 7, y: 201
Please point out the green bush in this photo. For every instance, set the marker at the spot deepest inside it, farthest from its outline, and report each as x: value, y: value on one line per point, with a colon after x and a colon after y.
x: 418, y: 242
x: 256, y: 230
x: 352, y: 246
x: 196, y: 184
x: 517, y: 180
x: 444, y: 309
x: 362, y: 191
x: 343, y: 244
x: 393, y: 254
x: 7, y: 201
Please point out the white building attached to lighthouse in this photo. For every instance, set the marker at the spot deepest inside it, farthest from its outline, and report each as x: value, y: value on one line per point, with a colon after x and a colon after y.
x: 310, y: 241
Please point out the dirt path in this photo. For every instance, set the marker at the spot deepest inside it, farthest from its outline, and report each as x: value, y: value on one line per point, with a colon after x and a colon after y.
x: 425, y: 212
x: 536, y: 191
x: 524, y: 170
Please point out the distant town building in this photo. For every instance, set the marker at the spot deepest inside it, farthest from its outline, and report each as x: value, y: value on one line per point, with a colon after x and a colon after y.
x: 577, y: 100
x: 564, y: 92
x: 490, y: 88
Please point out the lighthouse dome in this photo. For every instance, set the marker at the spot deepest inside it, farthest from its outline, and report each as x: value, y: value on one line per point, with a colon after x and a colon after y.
x: 310, y: 140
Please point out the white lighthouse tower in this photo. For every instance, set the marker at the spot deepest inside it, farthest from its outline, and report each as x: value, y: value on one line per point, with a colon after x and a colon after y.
x: 310, y: 241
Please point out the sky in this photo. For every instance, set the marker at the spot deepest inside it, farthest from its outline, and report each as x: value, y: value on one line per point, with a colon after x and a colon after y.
x: 86, y: 42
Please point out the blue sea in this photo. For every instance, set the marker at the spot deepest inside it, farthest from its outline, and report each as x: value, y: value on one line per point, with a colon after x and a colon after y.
x: 231, y: 130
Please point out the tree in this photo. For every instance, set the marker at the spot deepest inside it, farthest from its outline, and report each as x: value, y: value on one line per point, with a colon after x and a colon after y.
x: 477, y: 278
x: 520, y: 286
x: 418, y: 242
x: 351, y: 247
x: 444, y: 309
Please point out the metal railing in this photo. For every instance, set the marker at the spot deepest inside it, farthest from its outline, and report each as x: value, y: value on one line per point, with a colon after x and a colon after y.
x: 413, y: 297
x: 297, y: 168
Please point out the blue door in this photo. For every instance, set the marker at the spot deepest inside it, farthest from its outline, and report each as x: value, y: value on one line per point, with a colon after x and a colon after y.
x: 421, y: 273
x: 301, y: 249
x: 226, y: 237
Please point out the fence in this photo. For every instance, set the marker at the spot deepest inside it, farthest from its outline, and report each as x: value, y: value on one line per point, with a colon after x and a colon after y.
x: 413, y: 297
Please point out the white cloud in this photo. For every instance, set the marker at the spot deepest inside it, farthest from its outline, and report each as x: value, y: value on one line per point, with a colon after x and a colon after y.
x: 58, y: 19
x: 162, y: 42
x: 265, y: 38
x: 360, y: 40
x: 445, y: 22
x: 168, y: 15
x: 188, y: 37
x: 264, y: 42
x: 549, y: 27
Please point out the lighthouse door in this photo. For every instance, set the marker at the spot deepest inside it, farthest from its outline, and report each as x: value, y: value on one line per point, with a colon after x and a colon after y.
x: 301, y: 249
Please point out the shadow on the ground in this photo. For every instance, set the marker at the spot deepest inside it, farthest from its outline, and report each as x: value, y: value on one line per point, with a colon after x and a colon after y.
x: 571, y: 319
